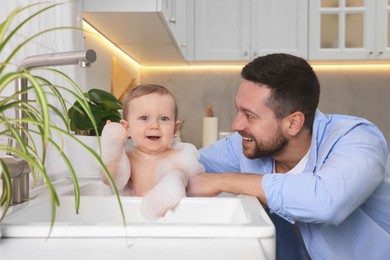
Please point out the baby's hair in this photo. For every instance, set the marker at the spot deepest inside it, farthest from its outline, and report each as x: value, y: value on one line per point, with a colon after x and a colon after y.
x: 143, y: 90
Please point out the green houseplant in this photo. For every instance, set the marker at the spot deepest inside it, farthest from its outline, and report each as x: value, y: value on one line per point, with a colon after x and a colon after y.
x: 104, y: 106
x: 38, y: 114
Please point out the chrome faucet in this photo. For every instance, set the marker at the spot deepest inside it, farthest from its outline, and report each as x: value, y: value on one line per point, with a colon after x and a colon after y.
x: 18, y: 167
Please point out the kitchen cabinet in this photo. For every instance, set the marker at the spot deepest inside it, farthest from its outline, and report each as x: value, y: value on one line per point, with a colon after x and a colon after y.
x: 174, y: 13
x: 140, y: 28
x: 349, y: 30
x: 240, y: 30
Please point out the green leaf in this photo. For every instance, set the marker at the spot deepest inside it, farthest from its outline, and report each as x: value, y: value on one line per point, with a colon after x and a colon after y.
x: 102, y: 105
x: 6, y: 196
x: 105, y: 98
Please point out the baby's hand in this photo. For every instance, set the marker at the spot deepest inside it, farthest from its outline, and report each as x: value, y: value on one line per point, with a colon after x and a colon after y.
x: 163, y: 197
x: 114, y: 134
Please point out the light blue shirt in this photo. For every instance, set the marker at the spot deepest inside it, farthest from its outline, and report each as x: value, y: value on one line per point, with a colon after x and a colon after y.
x: 341, y: 202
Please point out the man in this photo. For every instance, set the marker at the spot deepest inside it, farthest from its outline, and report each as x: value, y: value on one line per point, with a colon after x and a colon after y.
x: 324, y: 174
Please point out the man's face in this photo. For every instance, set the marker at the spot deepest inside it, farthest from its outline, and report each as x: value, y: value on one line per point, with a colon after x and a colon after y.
x: 262, y: 134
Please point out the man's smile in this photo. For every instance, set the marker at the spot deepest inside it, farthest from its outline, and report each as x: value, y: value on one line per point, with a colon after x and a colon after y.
x: 247, y: 139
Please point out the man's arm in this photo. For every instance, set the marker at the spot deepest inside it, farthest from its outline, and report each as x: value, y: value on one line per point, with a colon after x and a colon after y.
x: 206, y: 185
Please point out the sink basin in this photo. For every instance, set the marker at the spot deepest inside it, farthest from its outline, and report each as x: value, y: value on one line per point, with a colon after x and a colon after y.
x: 217, y: 217
x: 241, y: 216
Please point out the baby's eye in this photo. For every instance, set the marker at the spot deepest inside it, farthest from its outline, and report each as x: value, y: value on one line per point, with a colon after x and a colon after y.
x: 144, y: 118
x: 164, y: 118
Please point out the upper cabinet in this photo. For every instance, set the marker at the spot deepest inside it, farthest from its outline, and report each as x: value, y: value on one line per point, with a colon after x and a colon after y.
x: 182, y: 32
x: 174, y: 13
x: 222, y: 30
x: 240, y: 30
x: 149, y: 31
x: 349, y: 29
x: 280, y: 26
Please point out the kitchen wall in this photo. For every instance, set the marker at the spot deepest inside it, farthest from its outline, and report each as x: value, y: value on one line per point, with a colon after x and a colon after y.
x: 67, y: 14
x: 195, y: 90
x: 100, y: 74
x: 360, y: 91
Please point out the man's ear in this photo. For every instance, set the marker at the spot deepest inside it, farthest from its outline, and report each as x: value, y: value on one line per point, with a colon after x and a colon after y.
x: 295, y: 122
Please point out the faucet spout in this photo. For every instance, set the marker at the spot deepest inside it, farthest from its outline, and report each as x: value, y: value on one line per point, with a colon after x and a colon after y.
x: 59, y: 59
x: 18, y: 167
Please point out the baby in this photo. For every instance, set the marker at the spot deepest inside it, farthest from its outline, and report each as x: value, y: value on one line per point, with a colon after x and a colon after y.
x: 155, y: 166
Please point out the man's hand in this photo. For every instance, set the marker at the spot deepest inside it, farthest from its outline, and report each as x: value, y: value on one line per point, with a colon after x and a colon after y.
x: 204, y: 185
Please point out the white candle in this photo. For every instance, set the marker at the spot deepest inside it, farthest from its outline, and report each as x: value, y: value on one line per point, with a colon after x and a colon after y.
x: 210, y: 130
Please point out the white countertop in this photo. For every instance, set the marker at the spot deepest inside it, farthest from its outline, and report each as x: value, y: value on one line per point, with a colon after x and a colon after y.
x: 119, y: 248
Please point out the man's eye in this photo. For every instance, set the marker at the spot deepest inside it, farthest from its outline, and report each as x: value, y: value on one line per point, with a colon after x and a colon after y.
x: 164, y: 118
x: 144, y: 118
x: 248, y: 116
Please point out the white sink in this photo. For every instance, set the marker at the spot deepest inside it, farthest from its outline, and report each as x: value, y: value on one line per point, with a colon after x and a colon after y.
x: 218, y: 217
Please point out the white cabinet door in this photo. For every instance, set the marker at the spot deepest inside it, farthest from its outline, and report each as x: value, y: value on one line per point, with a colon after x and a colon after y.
x: 222, y: 30
x: 382, y: 50
x: 174, y: 13
x: 166, y: 7
x: 234, y: 30
x: 349, y: 29
x: 280, y: 26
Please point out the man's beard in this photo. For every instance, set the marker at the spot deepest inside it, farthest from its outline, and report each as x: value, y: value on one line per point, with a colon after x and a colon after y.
x: 270, y: 148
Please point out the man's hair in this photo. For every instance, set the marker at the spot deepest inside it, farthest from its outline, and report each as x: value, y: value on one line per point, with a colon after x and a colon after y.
x: 293, y: 83
x: 143, y: 90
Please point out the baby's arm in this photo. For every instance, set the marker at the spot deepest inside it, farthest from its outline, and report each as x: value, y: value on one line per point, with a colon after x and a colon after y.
x: 114, y: 156
x: 164, y: 196
x: 173, y: 174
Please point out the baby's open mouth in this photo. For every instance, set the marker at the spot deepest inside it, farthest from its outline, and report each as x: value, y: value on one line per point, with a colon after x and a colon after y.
x: 153, y: 138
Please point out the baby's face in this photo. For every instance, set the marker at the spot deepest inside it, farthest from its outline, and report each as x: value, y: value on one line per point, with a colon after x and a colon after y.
x: 152, y: 122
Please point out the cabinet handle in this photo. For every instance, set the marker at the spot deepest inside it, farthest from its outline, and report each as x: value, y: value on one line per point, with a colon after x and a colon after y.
x: 371, y: 52
x: 380, y: 52
x: 172, y: 20
x: 254, y: 54
x: 183, y: 45
x: 246, y: 53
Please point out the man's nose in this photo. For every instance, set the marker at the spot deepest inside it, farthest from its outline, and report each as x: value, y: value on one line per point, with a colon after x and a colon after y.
x: 238, y: 123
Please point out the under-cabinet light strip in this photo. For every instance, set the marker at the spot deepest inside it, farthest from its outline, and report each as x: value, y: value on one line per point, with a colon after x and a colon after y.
x: 88, y: 28
x: 93, y: 32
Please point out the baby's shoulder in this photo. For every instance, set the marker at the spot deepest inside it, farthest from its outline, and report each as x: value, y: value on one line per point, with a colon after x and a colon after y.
x: 186, y: 157
x: 185, y: 151
x: 184, y: 147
